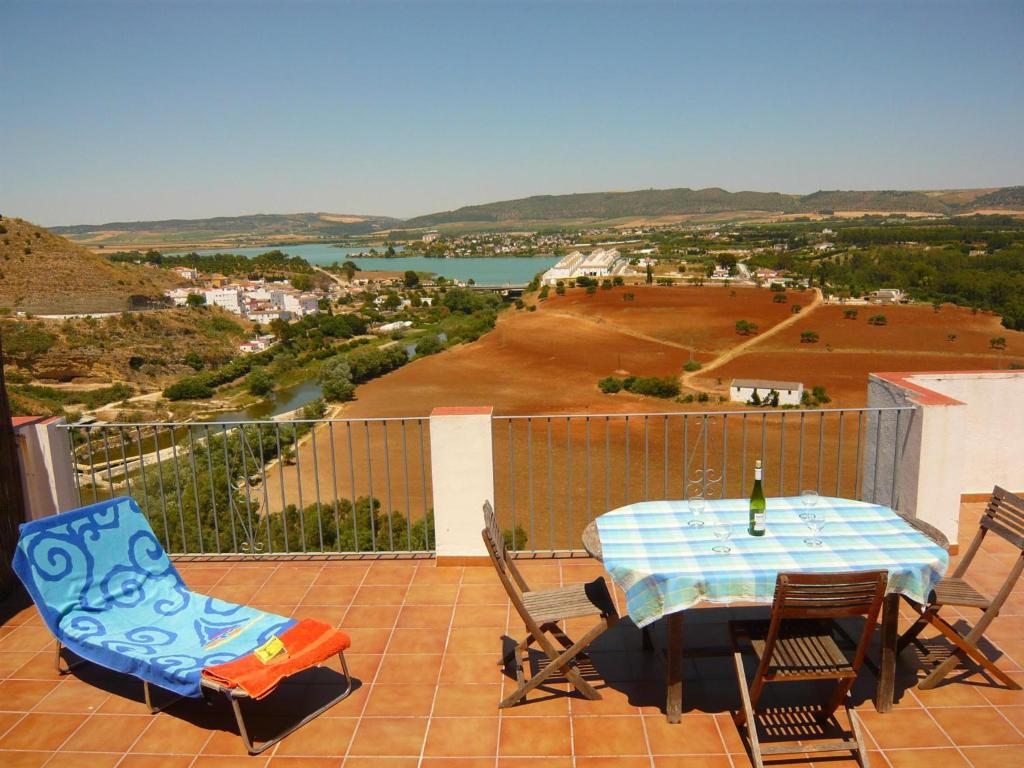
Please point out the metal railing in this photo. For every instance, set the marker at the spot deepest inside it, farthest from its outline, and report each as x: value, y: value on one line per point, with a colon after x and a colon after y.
x: 554, y: 474
x: 290, y: 487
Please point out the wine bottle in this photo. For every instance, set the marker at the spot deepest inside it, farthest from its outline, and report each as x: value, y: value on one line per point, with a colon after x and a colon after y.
x: 757, y: 505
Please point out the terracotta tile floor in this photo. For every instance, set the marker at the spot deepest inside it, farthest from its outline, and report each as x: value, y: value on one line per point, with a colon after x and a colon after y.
x: 426, y: 643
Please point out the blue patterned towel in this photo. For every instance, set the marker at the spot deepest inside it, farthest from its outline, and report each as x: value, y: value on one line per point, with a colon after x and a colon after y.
x: 108, y: 591
x: 665, y: 565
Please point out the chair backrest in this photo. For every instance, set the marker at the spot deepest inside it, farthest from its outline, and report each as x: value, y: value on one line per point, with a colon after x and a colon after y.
x: 1004, y: 516
x: 828, y: 596
x: 503, y: 564
x: 92, y: 558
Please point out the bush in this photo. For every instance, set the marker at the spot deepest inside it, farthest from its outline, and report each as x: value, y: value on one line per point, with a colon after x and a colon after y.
x: 877, y: 320
x: 703, y: 397
x: 591, y: 289
x: 809, y: 337
x: 617, y: 281
x: 779, y: 298
x: 195, y: 300
x: 849, y: 314
x: 194, y: 361
x: 610, y: 385
x: 259, y: 382
x: 514, y: 540
x: 795, y: 309
x: 745, y: 327
x: 428, y: 344
x: 654, y: 386
x: 691, y: 366
x: 335, y: 378
x: 190, y: 388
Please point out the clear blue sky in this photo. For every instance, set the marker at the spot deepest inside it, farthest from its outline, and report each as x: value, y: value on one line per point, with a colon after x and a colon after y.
x: 146, y: 110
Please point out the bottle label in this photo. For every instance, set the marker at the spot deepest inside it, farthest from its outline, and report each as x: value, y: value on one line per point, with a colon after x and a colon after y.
x: 759, y: 518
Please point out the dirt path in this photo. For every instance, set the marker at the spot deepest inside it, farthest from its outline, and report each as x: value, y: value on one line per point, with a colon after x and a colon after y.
x: 620, y: 329
x: 686, y: 379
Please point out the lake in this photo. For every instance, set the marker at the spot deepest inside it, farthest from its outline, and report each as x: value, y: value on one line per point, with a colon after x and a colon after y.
x: 496, y: 270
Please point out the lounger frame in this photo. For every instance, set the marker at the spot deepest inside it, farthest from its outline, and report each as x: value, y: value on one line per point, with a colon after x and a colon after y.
x: 234, y: 696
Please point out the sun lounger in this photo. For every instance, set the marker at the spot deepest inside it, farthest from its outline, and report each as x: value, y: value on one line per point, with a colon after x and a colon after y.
x: 108, y: 592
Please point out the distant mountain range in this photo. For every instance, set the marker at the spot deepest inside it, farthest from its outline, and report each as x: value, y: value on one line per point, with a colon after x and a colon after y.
x: 590, y: 208
x: 654, y: 203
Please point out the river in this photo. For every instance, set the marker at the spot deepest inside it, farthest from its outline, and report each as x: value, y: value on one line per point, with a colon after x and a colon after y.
x: 491, y: 270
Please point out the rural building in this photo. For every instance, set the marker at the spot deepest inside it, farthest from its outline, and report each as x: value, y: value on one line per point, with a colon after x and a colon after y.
x: 742, y: 390
x: 186, y: 273
x: 602, y: 262
x: 886, y: 296
x: 228, y: 298
x: 258, y: 344
x: 398, y: 325
x: 178, y: 295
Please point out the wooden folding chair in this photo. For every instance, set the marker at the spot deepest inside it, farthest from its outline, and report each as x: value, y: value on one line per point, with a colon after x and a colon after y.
x: 1004, y: 516
x: 797, y: 643
x: 541, y: 612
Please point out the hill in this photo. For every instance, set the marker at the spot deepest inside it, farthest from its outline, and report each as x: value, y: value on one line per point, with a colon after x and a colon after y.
x: 226, y: 230
x: 603, y: 206
x: 43, y: 273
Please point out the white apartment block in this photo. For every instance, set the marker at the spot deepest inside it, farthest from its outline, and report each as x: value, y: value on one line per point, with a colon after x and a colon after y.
x: 230, y: 298
x: 601, y: 262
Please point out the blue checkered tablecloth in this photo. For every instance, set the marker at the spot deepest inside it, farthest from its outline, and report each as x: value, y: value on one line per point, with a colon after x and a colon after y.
x: 665, y: 565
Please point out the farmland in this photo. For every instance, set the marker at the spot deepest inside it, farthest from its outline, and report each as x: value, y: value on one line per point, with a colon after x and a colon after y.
x: 548, y: 362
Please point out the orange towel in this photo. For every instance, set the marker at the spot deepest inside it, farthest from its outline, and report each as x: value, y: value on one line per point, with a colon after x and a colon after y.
x: 305, y: 645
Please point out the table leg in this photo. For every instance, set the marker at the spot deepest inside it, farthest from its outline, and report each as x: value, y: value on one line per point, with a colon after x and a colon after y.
x: 887, y: 679
x: 674, y: 694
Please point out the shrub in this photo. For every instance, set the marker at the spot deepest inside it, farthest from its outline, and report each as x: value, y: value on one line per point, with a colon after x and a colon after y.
x: 745, y: 327
x: 795, y: 309
x: 560, y: 288
x: 335, y: 378
x: 617, y: 280
x: 606, y: 285
x: 194, y: 361
x: 779, y: 298
x: 428, y: 344
x: 849, y: 314
x: 809, y: 337
x: 543, y: 293
x: 514, y: 539
x: 999, y: 342
x: 610, y: 385
x: 195, y: 300
x: 653, y: 386
x: 877, y: 320
x: 691, y: 366
x: 259, y: 382
x: 520, y: 304
x: 703, y: 397
x: 591, y: 289
x: 189, y: 389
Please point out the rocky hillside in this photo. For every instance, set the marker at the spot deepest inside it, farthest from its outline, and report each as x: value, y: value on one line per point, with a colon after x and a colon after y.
x: 146, y: 349
x: 43, y: 273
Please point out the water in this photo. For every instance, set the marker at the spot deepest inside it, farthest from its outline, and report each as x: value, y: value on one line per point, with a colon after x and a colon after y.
x: 283, y: 401
x: 495, y: 270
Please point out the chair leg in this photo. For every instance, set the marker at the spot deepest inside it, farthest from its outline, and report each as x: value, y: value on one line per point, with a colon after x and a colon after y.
x: 745, y: 716
x: 860, y: 754
x: 63, y: 670
x: 967, y: 645
x: 147, y: 694
x: 558, y: 663
x: 836, y: 698
x: 917, y: 628
x: 256, y: 748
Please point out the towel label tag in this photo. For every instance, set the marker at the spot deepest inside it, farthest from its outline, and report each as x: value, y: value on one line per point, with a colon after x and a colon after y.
x: 269, y: 649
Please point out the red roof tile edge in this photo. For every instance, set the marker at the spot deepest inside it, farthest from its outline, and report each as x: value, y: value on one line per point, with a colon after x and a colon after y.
x: 927, y: 396
x: 472, y: 410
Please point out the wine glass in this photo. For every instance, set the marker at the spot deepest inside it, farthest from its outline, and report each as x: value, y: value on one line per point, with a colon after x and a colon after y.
x: 810, y: 501
x: 814, y: 525
x: 696, y: 504
x: 722, y: 530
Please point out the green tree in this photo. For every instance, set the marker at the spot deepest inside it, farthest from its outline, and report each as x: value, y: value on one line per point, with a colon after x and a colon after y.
x: 195, y: 300
x: 411, y: 279
x: 849, y: 314
x: 877, y: 320
x: 610, y: 385
x: 745, y: 327
x: 650, y: 274
x: 259, y: 382
x: 335, y: 379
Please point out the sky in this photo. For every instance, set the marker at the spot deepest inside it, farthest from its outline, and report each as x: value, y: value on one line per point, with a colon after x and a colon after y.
x: 116, y: 111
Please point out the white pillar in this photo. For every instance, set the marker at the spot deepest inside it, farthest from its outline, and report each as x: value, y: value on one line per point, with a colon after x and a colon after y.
x: 47, y: 472
x: 462, y: 476
x: 925, y: 445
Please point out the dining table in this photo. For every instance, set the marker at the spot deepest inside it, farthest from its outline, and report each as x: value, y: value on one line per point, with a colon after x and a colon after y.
x: 669, y: 557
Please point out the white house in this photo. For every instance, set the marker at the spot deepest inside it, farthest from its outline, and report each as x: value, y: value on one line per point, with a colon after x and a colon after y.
x: 186, y: 273
x: 301, y: 304
x: 742, y: 390
x: 178, y: 295
x: 230, y: 299
x: 886, y: 296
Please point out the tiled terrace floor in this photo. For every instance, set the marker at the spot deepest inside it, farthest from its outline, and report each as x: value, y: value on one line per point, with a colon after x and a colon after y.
x: 425, y: 645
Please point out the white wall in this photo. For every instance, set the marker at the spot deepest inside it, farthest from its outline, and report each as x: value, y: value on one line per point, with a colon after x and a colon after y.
x: 462, y: 476
x: 991, y: 446
x: 47, y: 474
